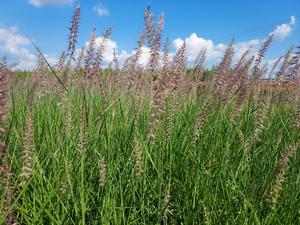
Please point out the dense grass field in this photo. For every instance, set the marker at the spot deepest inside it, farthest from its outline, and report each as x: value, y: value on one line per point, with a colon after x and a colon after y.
x: 149, y: 146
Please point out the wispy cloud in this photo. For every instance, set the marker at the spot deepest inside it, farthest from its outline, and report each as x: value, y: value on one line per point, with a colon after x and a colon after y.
x: 15, y: 46
x: 40, y: 3
x: 284, y: 30
x: 18, y: 49
x: 101, y: 11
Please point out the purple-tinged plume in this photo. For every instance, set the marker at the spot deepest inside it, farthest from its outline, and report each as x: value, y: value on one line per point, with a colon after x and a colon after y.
x: 73, y: 35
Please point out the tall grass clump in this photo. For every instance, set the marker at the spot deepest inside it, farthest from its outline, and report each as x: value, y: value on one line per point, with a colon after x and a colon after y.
x: 160, y: 143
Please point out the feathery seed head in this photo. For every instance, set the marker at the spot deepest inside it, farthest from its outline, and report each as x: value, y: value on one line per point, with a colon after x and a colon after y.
x: 260, y: 56
x: 27, y: 151
x: 102, y: 172
x: 73, y: 34
x: 138, y: 158
x: 90, y: 54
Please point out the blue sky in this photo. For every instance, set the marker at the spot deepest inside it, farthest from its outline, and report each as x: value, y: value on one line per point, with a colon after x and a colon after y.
x: 201, y: 23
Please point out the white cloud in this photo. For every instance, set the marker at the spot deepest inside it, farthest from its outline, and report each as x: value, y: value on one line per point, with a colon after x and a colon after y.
x: 143, y: 59
x: 40, y: 3
x: 108, y: 50
x: 241, y: 47
x: 15, y: 46
x: 284, y: 30
x: 10, y: 36
x: 194, y: 44
x: 270, y: 62
x: 52, y: 60
x: 215, y: 51
x: 123, y: 55
x: 101, y: 11
x: 293, y: 20
x: 18, y: 49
